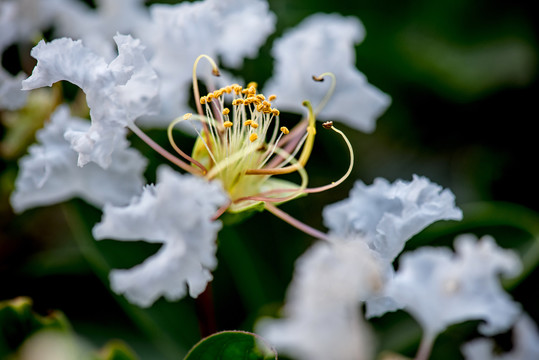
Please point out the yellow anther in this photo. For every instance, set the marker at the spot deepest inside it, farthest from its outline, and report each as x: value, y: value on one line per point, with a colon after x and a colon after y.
x: 226, y: 111
x: 209, y: 98
x: 187, y: 116
x: 203, y: 100
x: 237, y: 102
x: 284, y: 130
x: 227, y: 124
x: 248, y: 122
x: 260, y: 97
x: 254, y: 125
x: 275, y: 112
x: 228, y: 89
x: 253, y: 137
x: 272, y: 97
x: 252, y: 84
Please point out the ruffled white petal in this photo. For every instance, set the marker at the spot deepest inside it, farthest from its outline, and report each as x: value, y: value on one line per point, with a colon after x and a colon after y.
x: 177, y: 213
x: 440, y: 288
x: 49, y: 173
x: 387, y: 215
x: 325, y: 43
x: 11, y: 95
x: 117, y: 93
x: 322, y: 313
x: 525, y: 344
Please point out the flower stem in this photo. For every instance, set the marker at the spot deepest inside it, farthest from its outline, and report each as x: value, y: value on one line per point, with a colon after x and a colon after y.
x: 425, y: 348
x: 206, y: 312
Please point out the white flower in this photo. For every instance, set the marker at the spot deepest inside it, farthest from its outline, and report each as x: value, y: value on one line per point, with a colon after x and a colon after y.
x: 97, y: 27
x: 117, y: 93
x: 177, y: 213
x: 322, y: 314
x: 11, y: 96
x: 440, y: 288
x: 49, y: 174
x: 178, y: 34
x: 387, y: 215
x: 325, y: 43
x: 525, y: 344
x: 22, y: 20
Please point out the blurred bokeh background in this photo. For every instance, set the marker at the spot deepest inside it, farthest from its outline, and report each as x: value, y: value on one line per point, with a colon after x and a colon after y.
x: 463, y: 80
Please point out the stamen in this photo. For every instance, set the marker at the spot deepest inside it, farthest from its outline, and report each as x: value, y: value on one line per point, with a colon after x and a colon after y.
x: 305, y: 154
x: 330, y: 92
x: 295, y: 222
x: 178, y: 150
x: 254, y: 125
x: 227, y: 124
x: 272, y: 97
x: 329, y: 125
x: 226, y: 111
x: 253, y: 137
x: 285, y: 130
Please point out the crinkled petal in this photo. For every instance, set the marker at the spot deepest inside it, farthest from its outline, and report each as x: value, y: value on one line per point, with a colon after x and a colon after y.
x: 49, y: 174
x: 11, y: 95
x: 387, y: 215
x: 117, y: 93
x: 177, y: 213
x: 322, y: 312
x: 440, y: 288
x: 325, y: 43
x: 525, y: 344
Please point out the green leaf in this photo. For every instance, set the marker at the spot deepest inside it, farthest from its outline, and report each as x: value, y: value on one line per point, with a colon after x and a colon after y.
x: 233, y: 345
x: 18, y: 322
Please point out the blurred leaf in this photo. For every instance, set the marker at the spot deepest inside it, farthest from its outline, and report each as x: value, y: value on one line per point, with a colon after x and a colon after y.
x: 18, y: 322
x: 233, y: 345
x: 116, y: 350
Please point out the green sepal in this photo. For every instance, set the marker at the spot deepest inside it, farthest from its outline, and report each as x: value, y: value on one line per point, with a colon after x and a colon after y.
x: 232, y: 345
x: 236, y: 213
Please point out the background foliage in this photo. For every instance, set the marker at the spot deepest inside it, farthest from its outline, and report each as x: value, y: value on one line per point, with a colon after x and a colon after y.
x: 463, y: 78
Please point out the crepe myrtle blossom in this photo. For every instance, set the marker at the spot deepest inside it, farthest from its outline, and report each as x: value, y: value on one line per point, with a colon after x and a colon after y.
x: 525, y: 344
x: 322, y: 318
x: 117, y: 93
x: 440, y: 288
x: 320, y: 43
x: 48, y: 173
x: 177, y: 212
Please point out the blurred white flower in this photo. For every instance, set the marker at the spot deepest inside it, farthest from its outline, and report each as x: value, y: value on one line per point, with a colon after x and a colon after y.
x: 323, y: 319
x: 48, y: 174
x: 177, y: 213
x: 96, y: 27
x: 11, y: 95
x: 525, y: 344
x: 386, y: 216
x: 117, y: 93
x: 178, y: 34
x: 440, y: 288
x: 325, y: 43
x: 22, y: 20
